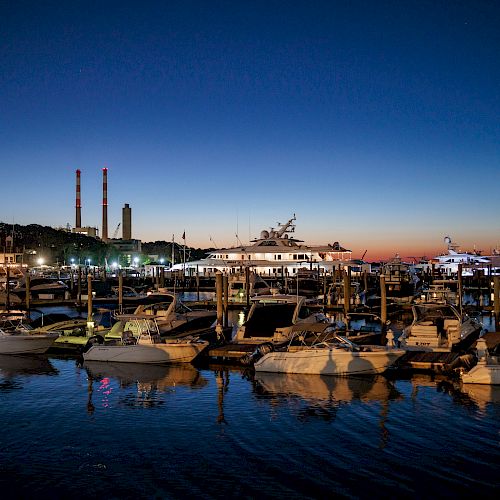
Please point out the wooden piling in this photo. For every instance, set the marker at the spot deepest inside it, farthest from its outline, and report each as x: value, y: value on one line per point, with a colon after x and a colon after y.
x: 89, y: 298
x: 7, y: 287
x: 247, y: 285
x: 219, y: 298
x: 120, y: 291
x: 225, y: 286
x: 383, y: 308
x: 496, y: 301
x: 347, y: 290
x: 197, y: 283
x: 28, y: 292
x: 79, y: 287
x: 460, y: 288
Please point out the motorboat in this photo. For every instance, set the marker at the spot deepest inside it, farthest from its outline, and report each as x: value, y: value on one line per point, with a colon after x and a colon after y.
x: 321, y: 351
x: 41, y: 288
x: 437, y: 294
x: 439, y: 328
x: 487, y: 369
x: 144, y: 345
x: 272, y: 317
x: 237, y: 286
x: 22, y: 342
x: 173, y: 316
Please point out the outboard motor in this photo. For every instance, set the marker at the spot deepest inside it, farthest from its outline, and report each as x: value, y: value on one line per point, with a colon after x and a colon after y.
x: 261, y: 350
x: 95, y: 339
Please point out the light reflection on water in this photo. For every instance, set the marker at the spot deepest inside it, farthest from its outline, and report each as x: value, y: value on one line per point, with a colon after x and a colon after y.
x: 173, y: 431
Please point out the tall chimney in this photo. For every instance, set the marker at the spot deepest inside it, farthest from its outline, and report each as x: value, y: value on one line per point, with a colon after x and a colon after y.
x: 126, y: 222
x: 104, y: 235
x: 78, y: 221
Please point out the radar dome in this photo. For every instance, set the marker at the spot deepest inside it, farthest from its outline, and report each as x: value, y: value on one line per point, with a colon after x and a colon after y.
x: 264, y: 235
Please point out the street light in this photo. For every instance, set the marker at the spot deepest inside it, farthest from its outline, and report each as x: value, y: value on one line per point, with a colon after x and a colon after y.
x: 162, y: 261
x: 136, y: 261
x: 40, y: 261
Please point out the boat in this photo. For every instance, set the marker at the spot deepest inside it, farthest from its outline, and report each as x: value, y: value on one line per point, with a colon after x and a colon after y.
x: 272, y: 317
x: 276, y: 254
x: 172, y: 316
x: 40, y: 288
x: 22, y: 342
x: 237, y: 286
x: 487, y: 369
x: 145, y: 345
x: 437, y: 294
x: 439, y: 328
x: 320, y: 351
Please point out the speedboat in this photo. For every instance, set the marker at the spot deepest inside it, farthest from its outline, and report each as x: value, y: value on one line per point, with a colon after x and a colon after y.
x: 173, y: 316
x: 320, y: 351
x: 24, y: 342
x: 439, y: 328
x: 487, y: 370
x: 144, y: 345
x: 272, y: 317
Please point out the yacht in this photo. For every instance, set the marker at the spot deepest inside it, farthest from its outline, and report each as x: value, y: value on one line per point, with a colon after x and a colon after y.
x: 449, y: 262
x: 275, y: 253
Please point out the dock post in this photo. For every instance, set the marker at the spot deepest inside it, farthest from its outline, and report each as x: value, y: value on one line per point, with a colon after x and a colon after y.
x: 220, y: 307
x: 225, y: 286
x: 383, y: 308
x: 28, y: 293
x: 247, y: 285
x: 347, y: 290
x: 197, y: 283
x: 7, y: 287
x: 120, y: 291
x: 90, y: 319
x: 162, y: 277
x: 79, y: 288
x: 496, y: 301
x: 324, y: 289
x: 460, y: 288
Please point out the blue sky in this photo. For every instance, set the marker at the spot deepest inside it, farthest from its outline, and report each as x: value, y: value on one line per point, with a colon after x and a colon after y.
x: 377, y: 123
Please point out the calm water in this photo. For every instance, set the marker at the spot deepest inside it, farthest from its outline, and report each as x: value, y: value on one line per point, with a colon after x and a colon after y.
x: 120, y: 431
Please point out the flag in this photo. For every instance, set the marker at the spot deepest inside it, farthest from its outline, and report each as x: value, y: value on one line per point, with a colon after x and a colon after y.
x: 184, y: 235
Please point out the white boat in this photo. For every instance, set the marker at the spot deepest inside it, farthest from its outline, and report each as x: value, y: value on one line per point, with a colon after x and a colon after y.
x: 272, y: 318
x: 328, y: 354
x: 16, y: 342
x: 487, y: 370
x: 173, y: 316
x: 275, y: 253
x: 439, y: 328
x: 147, y: 347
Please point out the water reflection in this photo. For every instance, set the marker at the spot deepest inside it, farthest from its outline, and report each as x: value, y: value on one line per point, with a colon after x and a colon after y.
x: 12, y: 366
x: 482, y: 394
x: 149, y: 380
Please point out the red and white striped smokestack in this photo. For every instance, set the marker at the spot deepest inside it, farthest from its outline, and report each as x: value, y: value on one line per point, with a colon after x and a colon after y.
x: 78, y: 221
x: 104, y: 235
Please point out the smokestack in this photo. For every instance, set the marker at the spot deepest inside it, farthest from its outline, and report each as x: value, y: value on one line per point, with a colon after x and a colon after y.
x: 126, y: 222
x: 104, y: 235
x: 78, y: 221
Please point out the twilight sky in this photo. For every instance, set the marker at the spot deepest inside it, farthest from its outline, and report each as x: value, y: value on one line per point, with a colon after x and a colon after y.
x: 376, y: 122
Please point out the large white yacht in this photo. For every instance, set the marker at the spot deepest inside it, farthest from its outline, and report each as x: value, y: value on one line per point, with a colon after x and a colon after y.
x: 274, y: 253
x: 449, y: 262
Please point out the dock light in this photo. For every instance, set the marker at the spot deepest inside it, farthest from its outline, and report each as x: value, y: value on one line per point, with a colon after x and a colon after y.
x: 40, y: 262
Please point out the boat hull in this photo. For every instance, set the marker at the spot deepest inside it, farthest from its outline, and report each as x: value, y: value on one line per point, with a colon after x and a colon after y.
x: 483, y: 373
x: 26, y: 344
x: 180, y: 352
x: 329, y: 362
